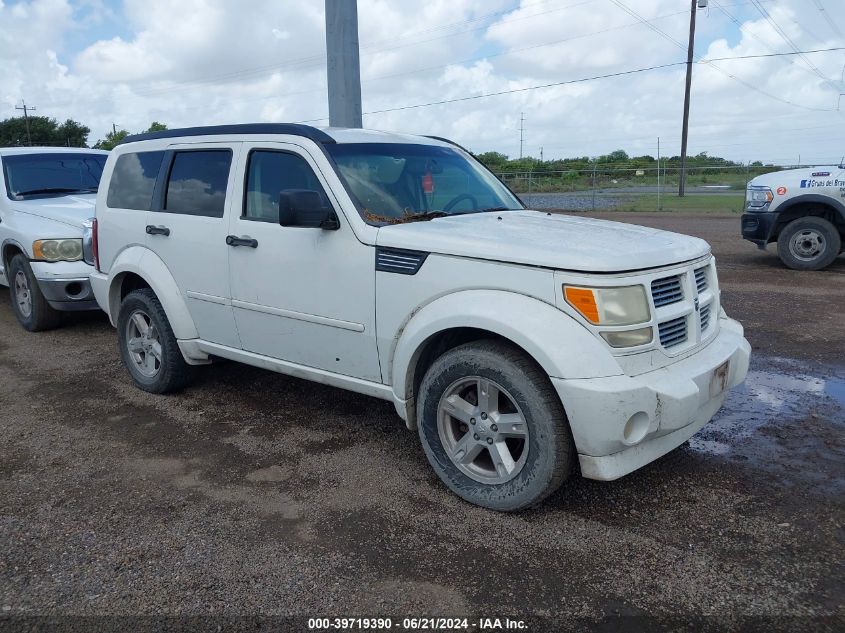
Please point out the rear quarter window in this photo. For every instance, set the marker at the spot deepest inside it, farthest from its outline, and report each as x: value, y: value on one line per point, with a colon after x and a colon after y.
x: 133, y: 180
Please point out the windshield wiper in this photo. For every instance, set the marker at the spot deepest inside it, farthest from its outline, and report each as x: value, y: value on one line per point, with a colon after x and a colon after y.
x: 33, y: 192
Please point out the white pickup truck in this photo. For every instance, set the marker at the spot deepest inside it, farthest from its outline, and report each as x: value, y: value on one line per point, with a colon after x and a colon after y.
x: 46, y: 202
x: 522, y: 345
x: 803, y: 210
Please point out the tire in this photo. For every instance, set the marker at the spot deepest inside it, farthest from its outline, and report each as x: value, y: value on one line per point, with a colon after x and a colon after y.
x: 809, y: 243
x: 33, y: 311
x: 148, y: 347
x: 540, y: 463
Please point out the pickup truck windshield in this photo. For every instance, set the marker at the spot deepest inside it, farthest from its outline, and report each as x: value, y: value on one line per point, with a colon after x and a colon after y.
x: 52, y: 174
x: 397, y: 182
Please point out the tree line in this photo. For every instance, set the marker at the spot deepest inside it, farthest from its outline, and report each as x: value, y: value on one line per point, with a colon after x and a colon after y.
x: 47, y: 131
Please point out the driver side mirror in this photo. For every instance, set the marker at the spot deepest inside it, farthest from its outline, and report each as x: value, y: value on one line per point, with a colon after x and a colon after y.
x: 304, y: 208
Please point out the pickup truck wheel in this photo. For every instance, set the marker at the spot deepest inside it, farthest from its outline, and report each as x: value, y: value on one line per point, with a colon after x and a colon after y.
x: 33, y: 311
x: 148, y: 347
x: 493, y: 427
x: 809, y: 243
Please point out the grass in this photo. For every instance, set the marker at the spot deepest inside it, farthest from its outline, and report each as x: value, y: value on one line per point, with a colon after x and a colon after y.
x: 691, y: 203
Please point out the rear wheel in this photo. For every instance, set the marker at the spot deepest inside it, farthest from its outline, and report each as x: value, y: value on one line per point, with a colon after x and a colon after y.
x: 33, y: 311
x: 809, y: 243
x: 148, y: 347
x: 493, y: 427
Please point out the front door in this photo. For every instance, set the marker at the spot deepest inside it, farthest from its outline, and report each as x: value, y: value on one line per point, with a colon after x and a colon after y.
x: 187, y: 229
x: 303, y: 295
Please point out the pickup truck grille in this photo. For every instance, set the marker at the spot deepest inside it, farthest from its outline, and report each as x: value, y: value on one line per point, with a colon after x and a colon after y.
x: 673, y: 332
x: 701, y: 279
x: 666, y: 291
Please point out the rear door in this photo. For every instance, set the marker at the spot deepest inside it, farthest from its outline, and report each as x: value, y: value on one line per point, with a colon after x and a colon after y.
x: 187, y: 228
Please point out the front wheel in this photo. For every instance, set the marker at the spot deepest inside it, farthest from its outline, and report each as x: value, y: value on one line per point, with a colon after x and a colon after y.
x: 809, y: 243
x: 33, y: 311
x: 148, y: 347
x: 492, y: 426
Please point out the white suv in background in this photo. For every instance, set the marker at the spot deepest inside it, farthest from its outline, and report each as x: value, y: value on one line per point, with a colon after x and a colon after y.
x: 46, y: 202
x: 521, y: 344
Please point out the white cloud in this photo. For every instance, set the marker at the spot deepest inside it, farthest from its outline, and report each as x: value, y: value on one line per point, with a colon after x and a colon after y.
x: 203, y: 61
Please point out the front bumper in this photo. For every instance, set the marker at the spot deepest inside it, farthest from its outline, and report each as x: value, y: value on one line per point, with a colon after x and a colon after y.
x: 758, y: 227
x: 622, y: 423
x: 65, y: 285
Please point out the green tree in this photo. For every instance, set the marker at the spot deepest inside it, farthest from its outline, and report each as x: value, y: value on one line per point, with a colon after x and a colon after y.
x: 43, y: 131
x: 115, y: 137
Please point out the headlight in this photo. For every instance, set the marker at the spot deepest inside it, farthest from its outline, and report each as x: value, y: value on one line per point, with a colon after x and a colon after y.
x: 57, y: 250
x: 628, y: 338
x: 758, y: 197
x: 625, y: 305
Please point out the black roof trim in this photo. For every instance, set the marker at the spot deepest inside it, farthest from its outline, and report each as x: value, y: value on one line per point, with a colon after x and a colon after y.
x: 295, y: 129
x: 450, y: 141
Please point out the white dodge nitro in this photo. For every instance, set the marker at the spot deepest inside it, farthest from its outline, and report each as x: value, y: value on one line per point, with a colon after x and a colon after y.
x: 47, y: 199
x: 521, y: 344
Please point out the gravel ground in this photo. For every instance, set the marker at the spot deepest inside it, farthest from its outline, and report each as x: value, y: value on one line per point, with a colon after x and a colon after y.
x: 256, y: 494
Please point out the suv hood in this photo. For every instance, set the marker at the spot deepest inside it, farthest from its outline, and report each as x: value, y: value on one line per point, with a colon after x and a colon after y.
x: 537, y: 238
x: 72, y: 209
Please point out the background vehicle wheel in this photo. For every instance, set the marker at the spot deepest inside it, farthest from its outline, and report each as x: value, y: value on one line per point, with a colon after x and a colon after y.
x: 31, y: 308
x: 492, y: 426
x: 148, y: 347
x: 809, y: 243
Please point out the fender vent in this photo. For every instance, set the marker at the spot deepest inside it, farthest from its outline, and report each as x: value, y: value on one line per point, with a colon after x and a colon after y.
x: 397, y: 260
x: 666, y: 291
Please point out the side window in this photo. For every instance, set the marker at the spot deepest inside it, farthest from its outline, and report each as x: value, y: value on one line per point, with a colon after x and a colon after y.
x: 268, y: 174
x: 133, y: 180
x: 197, y: 183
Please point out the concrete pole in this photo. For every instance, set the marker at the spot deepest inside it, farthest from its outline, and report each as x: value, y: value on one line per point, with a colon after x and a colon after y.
x: 342, y: 63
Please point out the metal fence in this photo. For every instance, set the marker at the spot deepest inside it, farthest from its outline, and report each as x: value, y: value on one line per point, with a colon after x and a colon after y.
x: 637, y: 188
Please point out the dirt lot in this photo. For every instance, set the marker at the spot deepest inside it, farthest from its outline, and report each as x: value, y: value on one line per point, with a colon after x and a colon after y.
x: 253, y: 493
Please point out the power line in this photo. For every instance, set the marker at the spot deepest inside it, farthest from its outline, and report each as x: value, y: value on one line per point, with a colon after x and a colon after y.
x: 827, y: 18
x: 515, y: 90
x: 762, y: 55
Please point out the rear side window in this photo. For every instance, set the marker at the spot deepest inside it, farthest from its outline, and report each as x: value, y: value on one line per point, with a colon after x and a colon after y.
x: 197, y: 183
x: 133, y: 180
x: 268, y: 174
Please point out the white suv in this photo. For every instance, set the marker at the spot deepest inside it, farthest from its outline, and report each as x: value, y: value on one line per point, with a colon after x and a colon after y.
x: 521, y: 344
x: 46, y: 200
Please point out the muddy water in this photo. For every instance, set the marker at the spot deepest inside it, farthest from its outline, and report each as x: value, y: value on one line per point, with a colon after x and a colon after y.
x: 789, y: 419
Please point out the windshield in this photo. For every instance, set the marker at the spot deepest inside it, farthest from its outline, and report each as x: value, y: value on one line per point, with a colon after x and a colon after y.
x: 52, y: 174
x: 397, y: 182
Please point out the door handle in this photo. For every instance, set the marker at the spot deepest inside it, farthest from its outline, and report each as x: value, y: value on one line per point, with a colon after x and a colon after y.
x: 234, y: 240
x: 157, y: 230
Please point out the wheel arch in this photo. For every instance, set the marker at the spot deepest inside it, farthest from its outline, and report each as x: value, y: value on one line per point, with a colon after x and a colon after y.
x: 10, y: 248
x: 809, y: 205
x: 554, y: 340
x: 137, y: 267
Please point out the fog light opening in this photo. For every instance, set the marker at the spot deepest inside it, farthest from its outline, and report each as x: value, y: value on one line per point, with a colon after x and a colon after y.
x: 636, y: 428
x: 74, y: 289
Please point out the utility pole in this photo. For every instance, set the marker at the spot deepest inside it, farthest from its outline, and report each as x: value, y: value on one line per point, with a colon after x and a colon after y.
x: 541, y: 153
x: 26, y: 110
x: 342, y: 63
x: 685, y: 132
x: 114, y: 129
x: 521, y: 131
x: 658, y: 174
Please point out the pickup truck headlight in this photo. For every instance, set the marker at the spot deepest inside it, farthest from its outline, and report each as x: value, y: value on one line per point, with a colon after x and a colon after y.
x: 625, y: 305
x: 69, y: 250
x: 758, y: 197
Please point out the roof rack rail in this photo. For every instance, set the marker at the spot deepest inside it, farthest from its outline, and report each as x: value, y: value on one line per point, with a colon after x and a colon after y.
x: 294, y: 129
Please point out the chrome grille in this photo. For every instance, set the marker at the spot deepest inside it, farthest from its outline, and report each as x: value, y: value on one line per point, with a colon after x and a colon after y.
x: 704, y: 315
x: 673, y: 332
x: 666, y: 291
x: 701, y: 280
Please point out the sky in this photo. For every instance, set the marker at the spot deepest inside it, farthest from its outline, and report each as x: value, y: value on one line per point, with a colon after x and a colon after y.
x: 205, y: 62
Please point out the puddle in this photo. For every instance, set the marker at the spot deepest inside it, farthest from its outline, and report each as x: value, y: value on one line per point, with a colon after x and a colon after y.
x: 788, y: 418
